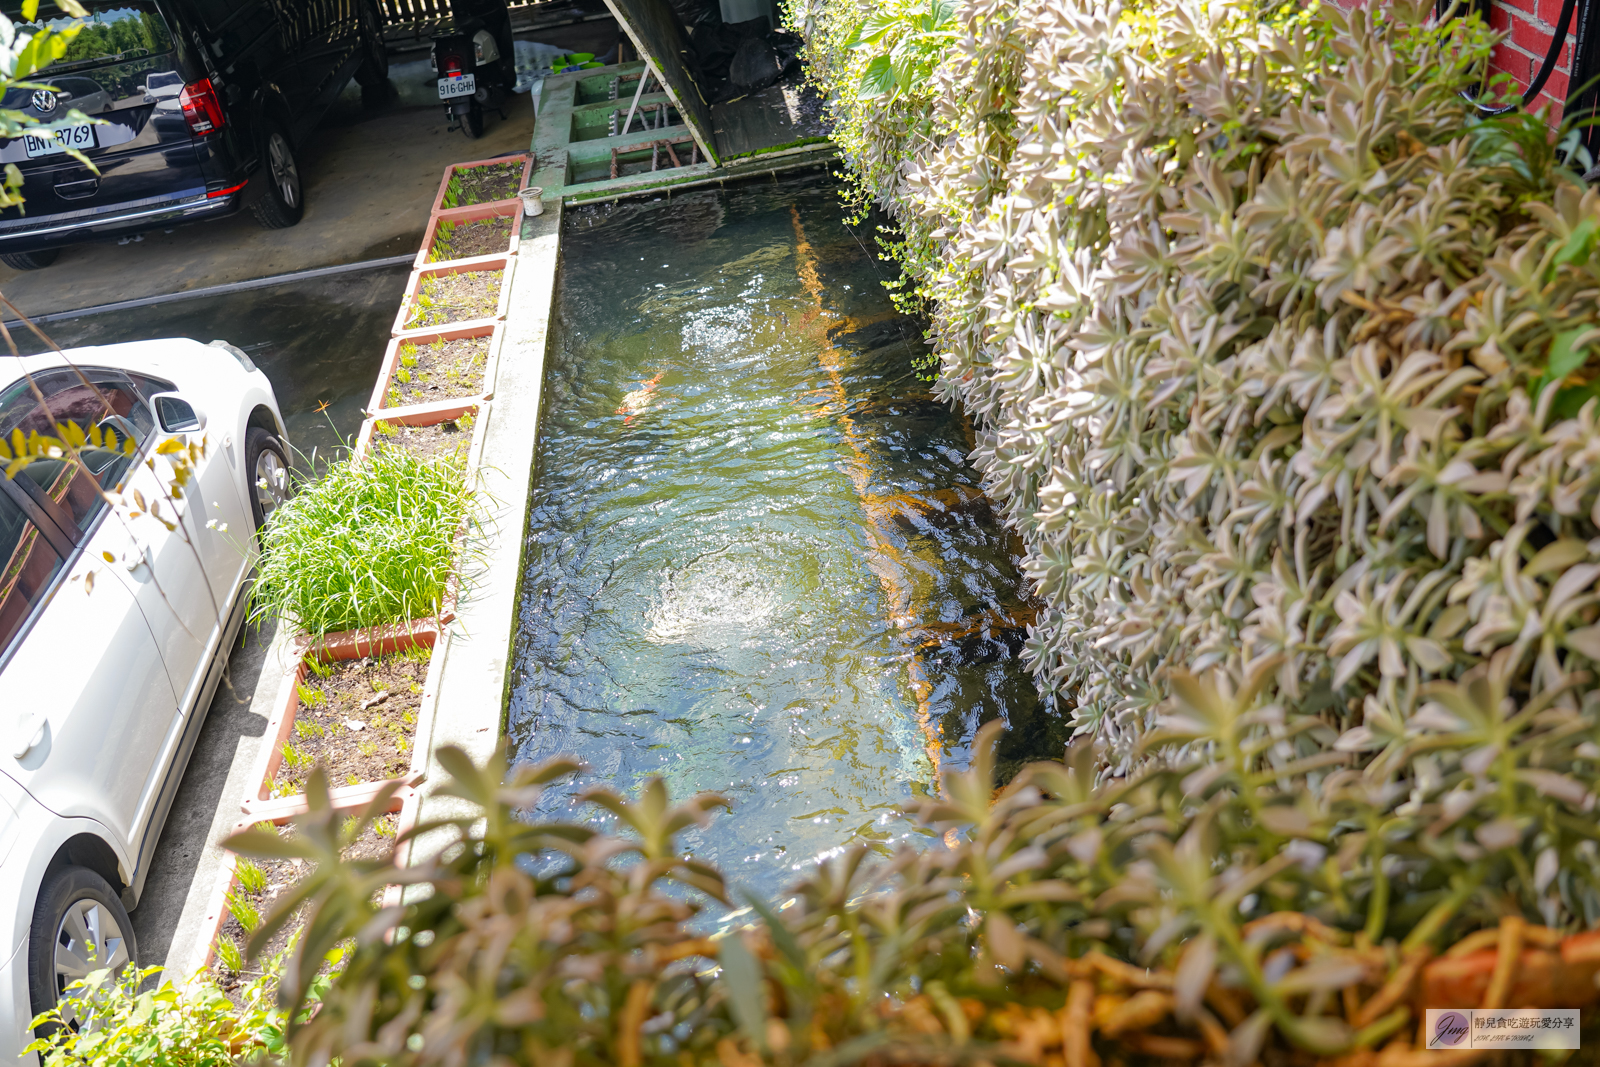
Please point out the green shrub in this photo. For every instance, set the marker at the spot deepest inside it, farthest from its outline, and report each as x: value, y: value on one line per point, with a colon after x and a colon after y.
x: 195, y: 1025
x: 372, y: 542
x: 1281, y: 362
x: 1248, y: 909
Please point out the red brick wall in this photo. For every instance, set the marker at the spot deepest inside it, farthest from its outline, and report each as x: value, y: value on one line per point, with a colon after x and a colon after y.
x: 1531, y: 24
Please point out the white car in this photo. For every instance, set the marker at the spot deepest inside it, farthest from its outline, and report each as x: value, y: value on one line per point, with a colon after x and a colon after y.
x: 114, y: 632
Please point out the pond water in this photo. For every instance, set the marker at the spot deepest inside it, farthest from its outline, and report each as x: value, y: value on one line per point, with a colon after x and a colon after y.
x: 759, y: 563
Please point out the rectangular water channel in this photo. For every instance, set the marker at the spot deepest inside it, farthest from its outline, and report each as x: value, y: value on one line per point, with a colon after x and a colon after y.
x: 759, y: 562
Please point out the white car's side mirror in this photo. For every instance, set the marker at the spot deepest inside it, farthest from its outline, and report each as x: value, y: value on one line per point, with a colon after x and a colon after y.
x: 174, y: 414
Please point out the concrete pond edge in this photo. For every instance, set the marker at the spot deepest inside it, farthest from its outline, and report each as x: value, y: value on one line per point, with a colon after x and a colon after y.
x: 474, y: 680
x: 464, y: 697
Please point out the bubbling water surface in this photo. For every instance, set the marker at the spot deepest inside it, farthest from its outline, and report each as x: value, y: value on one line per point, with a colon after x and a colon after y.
x: 758, y: 561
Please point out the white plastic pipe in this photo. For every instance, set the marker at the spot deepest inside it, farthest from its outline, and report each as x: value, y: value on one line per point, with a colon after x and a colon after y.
x: 637, y: 93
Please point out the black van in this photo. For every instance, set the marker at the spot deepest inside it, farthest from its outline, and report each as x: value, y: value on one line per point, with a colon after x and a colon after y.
x: 200, y: 106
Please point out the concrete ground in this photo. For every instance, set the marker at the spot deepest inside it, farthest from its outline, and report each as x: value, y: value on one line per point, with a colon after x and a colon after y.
x: 370, y: 178
x: 207, y: 805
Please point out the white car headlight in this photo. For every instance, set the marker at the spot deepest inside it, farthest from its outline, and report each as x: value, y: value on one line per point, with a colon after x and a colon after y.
x: 237, y: 353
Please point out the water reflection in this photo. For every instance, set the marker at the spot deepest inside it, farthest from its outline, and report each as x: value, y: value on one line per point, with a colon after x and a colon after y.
x: 758, y: 563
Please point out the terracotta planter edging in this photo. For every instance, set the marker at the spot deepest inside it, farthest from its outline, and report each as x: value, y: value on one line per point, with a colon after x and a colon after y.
x: 450, y: 172
x: 493, y: 330
x: 351, y: 644
x: 477, y: 264
x: 350, y: 798
x: 414, y: 415
x: 511, y: 209
x: 1551, y: 971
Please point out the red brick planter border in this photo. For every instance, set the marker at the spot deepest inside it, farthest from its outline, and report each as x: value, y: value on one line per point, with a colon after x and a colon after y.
x: 351, y: 644
x: 502, y: 262
x: 391, y: 360
x: 449, y: 172
x: 474, y: 213
x: 349, y: 798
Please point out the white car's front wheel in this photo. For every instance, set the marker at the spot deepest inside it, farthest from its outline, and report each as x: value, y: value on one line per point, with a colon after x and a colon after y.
x: 79, y: 926
x: 269, y: 474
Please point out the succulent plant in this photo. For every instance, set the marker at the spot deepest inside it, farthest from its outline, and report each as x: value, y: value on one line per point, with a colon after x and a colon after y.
x: 1282, y: 362
x: 1280, y: 359
x: 1229, y: 903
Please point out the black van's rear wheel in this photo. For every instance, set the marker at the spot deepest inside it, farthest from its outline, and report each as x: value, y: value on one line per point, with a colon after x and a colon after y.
x: 374, y: 69
x: 284, y: 203
x: 30, y: 260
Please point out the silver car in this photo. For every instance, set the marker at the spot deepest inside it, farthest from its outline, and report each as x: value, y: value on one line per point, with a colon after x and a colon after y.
x: 116, y: 618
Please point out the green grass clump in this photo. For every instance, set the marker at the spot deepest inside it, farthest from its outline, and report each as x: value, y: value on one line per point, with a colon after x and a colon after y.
x: 243, y: 909
x: 371, y: 543
x: 229, y: 954
x: 252, y: 879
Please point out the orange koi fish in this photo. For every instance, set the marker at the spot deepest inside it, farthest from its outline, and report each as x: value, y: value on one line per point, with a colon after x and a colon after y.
x: 638, y: 400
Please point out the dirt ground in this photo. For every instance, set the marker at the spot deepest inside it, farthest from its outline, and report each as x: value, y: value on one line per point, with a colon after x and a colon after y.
x: 278, y: 877
x: 462, y: 239
x: 483, y: 185
x: 445, y: 298
x: 357, y: 720
x: 438, y: 371
x: 426, y: 442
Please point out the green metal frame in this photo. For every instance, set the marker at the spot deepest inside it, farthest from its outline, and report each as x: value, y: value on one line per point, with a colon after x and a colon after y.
x: 573, y: 163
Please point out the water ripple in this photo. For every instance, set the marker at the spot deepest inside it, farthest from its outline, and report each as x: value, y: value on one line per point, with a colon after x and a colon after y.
x: 757, y: 560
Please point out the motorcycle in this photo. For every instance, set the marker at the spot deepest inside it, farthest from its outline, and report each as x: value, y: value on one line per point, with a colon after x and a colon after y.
x: 474, y: 65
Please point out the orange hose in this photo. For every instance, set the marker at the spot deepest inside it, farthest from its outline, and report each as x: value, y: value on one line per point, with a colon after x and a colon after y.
x: 885, y: 559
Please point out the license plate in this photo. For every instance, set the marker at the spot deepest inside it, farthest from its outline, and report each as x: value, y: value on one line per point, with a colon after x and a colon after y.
x: 80, y: 137
x: 465, y: 85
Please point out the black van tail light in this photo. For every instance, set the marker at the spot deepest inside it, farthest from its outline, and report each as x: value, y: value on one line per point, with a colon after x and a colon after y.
x: 213, y: 194
x: 201, y: 108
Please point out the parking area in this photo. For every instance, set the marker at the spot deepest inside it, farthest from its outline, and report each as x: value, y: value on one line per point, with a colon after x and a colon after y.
x: 371, y: 176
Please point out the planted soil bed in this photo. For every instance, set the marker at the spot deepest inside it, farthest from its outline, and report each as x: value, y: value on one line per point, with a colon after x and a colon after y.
x: 262, y: 882
x: 426, y: 442
x: 434, y: 372
x: 356, y: 718
x: 458, y: 240
x: 480, y: 185
x: 446, y: 298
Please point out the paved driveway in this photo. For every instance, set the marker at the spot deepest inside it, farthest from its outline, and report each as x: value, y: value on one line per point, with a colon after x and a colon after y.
x: 371, y: 177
